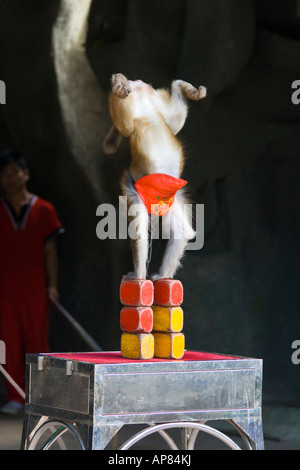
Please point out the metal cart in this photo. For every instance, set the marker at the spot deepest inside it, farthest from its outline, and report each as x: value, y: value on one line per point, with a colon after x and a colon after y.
x: 82, y: 400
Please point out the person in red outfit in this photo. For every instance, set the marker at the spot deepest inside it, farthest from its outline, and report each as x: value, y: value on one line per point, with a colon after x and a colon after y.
x: 28, y: 270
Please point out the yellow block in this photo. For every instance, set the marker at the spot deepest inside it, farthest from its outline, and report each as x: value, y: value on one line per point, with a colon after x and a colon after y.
x: 169, y: 319
x: 137, y: 346
x: 169, y: 345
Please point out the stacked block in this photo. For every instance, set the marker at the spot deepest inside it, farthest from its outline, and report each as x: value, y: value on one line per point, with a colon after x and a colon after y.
x: 137, y: 292
x: 151, y: 319
x: 169, y: 345
x: 169, y: 319
x: 137, y: 346
x: 136, y: 319
x: 168, y: 292
x: 169, y: 341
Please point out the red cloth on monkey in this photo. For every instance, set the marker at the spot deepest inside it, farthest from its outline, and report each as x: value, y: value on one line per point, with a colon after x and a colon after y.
x: 157, y: 192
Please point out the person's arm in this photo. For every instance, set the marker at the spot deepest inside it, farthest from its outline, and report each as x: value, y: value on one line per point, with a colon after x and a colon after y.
x: 51, y: 260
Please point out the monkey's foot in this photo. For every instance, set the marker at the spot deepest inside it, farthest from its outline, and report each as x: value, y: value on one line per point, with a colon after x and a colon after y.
x: 129, y: 276
x: 120, y: 85
x: 194, y: 93
x: 156, y: 276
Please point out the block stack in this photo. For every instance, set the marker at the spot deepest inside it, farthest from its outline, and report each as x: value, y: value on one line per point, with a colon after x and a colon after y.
x: 151, y: 319
x: 136, y: 319
x: 169, y: 341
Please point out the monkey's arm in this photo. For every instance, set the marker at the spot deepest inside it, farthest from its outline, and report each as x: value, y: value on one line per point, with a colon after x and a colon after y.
x: 121, y: 105
x: 121, y: 113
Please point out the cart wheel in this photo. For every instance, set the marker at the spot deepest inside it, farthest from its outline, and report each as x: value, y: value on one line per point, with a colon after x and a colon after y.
x: 195, y: 427
x: 56, y: 435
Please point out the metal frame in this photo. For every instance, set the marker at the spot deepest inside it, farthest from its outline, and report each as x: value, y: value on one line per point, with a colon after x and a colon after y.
x: 94, y: 401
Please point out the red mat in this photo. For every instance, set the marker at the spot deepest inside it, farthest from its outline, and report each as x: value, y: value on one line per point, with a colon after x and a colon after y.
x: 116, y: 358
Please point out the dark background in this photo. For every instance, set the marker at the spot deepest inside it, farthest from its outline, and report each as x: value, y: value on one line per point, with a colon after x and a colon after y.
x: 243, y: 159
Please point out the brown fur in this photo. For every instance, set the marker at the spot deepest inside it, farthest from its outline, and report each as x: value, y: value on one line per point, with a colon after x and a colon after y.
x: 151, y: 119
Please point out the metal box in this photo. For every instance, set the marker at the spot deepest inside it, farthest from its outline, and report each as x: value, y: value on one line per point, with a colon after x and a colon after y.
x: 95, y: 399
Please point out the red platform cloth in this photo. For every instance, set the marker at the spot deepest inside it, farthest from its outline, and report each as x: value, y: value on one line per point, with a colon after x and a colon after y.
x: 116, y: 357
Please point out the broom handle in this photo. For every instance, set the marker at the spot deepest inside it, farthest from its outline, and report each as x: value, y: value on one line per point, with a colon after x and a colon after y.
x: 12, y: 382
x: 80, y: 330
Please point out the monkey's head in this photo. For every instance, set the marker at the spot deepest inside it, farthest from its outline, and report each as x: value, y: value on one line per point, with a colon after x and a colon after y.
x: 112, y: 141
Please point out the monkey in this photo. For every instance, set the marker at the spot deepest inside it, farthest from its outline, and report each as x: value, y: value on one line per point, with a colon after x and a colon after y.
x: 151, y: 118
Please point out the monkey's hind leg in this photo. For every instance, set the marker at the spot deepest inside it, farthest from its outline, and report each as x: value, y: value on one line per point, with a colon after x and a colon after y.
x: 177, y: 226
x: 138, y: 233
x: 189, y: 91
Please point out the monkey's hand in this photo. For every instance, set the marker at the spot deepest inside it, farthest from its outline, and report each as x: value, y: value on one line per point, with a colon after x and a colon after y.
x: 120, y: 85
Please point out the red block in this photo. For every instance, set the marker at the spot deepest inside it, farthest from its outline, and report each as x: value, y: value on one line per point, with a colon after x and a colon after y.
x: 136, y: 319
x: 168, y: 292
x: 137, y: 292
